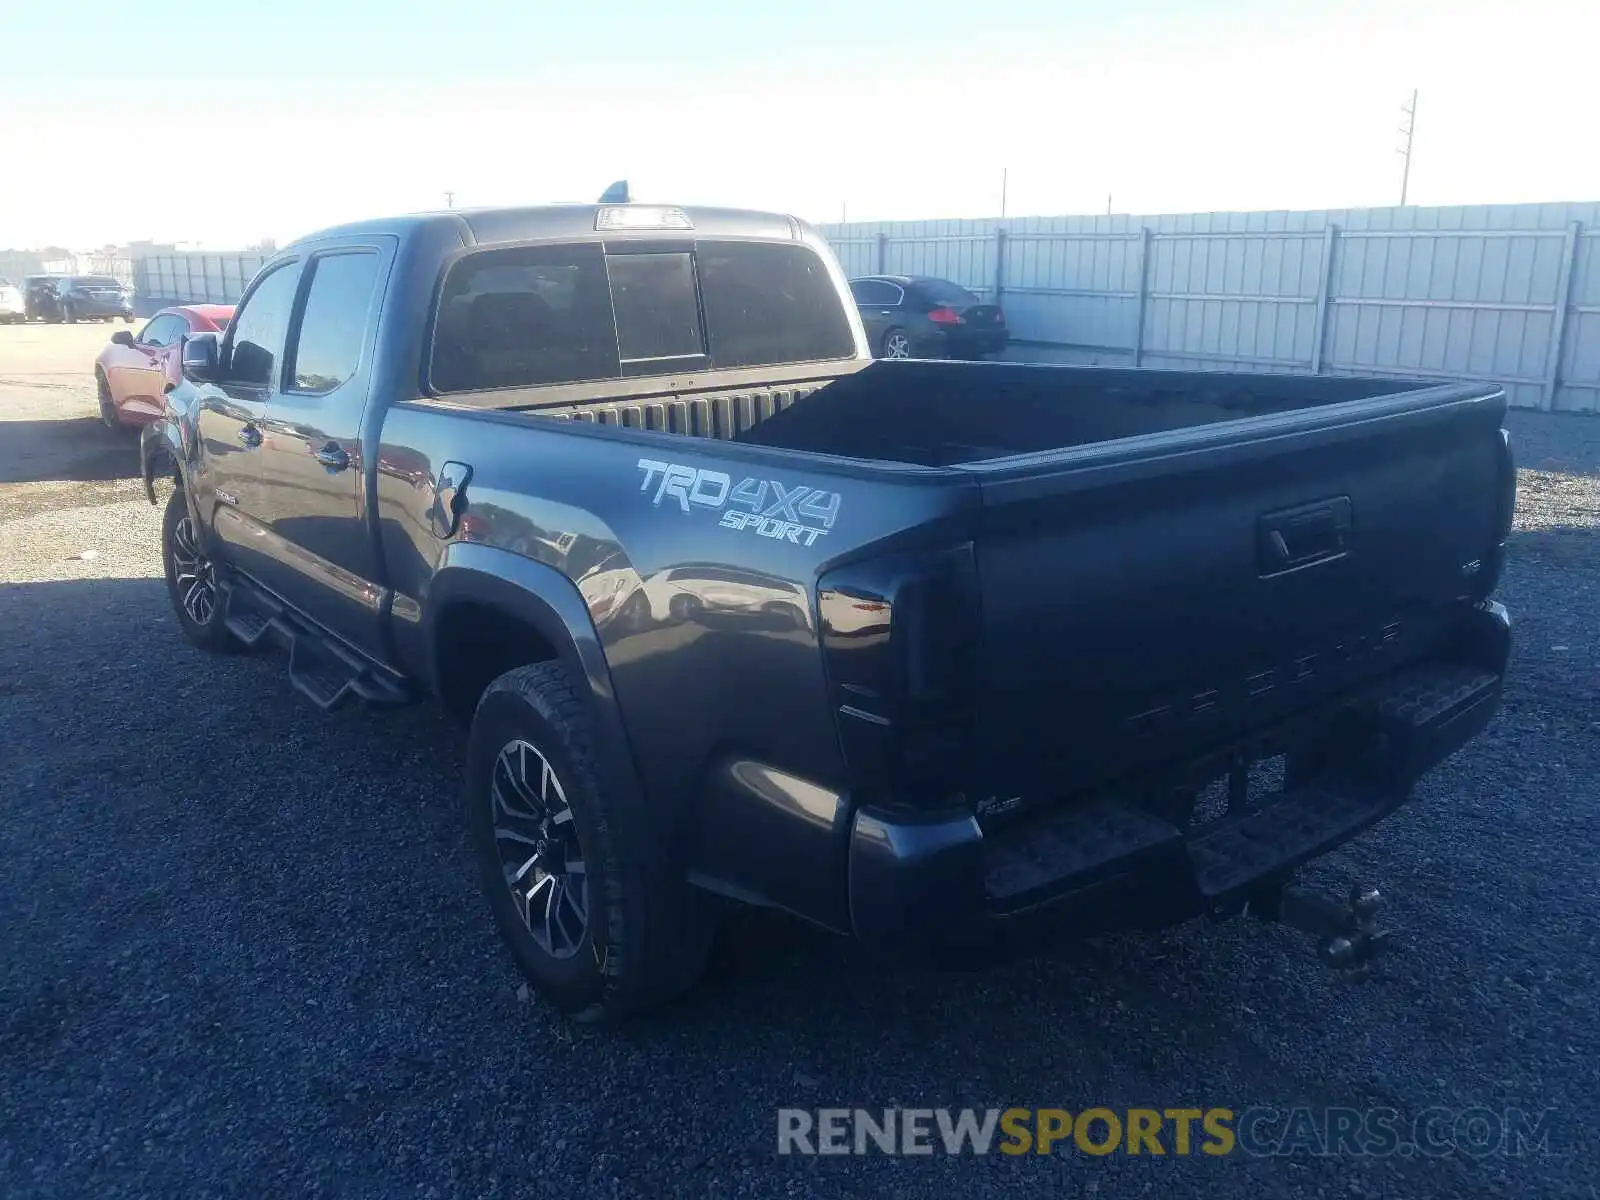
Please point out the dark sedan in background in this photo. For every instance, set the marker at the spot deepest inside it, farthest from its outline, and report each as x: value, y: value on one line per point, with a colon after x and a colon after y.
x: 916, y: 316
x: 73, y: 298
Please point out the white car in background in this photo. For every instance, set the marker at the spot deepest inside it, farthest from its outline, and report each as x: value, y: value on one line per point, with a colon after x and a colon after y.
x: 12, y: 309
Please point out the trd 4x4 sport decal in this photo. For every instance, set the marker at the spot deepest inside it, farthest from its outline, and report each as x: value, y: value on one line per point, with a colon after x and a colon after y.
x: 765, y: 506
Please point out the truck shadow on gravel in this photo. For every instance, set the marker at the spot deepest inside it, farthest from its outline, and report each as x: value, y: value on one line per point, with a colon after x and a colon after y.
x: 291, y: 886
x: 81, y: 450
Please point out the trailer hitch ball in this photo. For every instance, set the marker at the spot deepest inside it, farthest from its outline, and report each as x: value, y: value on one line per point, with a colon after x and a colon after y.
x: 1348, y: 937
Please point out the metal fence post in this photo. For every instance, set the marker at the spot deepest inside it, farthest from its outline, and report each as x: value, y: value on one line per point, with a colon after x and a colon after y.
x: 1558, y: 317
x: 1330, y: 245
x: 999, y: 264
x: 1144, y: 294
x: 883, y: 253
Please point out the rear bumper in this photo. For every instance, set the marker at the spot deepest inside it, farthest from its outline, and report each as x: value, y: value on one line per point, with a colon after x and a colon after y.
x: 967, y: 341
x: 94, y: 309
x: 935, y: 883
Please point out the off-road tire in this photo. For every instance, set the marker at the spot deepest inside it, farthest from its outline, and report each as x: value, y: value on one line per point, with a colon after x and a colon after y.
x: 209, y: 634
x: 648, y: 933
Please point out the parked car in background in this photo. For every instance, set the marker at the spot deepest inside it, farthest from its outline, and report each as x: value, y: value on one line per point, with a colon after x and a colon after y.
x: 917, y: 316
x: 72, y: 298
x: 134, y: 371
x: 39, y: 299
x: 12, y: 306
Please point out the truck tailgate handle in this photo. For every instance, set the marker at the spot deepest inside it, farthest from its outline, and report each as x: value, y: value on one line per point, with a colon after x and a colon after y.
x: 1291, y: 538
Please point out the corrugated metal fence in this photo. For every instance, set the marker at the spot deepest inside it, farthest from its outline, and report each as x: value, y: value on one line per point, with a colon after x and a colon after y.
x: 1505, y: 293
x: 194, y: 277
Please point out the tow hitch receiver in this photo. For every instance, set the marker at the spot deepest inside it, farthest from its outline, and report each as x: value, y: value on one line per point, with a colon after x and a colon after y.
x: 1348, y: 935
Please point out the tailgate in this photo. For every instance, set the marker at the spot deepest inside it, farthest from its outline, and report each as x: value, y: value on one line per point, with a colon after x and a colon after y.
x: 1148, y: 600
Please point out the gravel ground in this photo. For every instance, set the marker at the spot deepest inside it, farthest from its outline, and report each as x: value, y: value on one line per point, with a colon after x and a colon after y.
x: 242, y: 951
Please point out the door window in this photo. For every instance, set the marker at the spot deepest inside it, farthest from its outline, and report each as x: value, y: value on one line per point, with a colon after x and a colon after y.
x: 259, y: 328
x: 333, y: 325
x: 162, y: 331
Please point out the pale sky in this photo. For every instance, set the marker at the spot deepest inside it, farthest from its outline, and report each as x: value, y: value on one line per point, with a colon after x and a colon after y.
x: 231, y: 122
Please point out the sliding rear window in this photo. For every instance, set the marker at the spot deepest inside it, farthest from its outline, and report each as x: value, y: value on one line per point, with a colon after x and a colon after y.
x: 524, y: 316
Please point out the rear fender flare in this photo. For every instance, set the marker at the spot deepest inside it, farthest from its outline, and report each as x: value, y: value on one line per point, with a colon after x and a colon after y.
x: 545, y: 599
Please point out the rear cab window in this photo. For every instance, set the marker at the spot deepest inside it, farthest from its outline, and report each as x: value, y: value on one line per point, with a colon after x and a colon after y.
x: 527, y: 316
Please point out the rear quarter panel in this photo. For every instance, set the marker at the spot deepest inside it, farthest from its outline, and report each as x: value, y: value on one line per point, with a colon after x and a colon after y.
x: 708, y: 626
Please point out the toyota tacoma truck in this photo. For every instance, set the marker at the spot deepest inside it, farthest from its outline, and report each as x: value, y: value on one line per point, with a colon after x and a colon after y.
x: 948, y: 657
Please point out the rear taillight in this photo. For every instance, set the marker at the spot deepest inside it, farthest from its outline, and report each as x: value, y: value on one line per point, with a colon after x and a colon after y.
x: 1507, y: 500
x: 1486, y: 577
x: 899, y: 639
x: 945, y: 316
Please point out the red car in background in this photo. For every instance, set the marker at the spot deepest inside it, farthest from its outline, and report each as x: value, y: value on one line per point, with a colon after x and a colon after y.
x: 134, y: 371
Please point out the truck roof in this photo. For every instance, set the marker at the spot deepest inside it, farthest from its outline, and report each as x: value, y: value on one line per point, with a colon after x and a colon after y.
x: 488, y: 225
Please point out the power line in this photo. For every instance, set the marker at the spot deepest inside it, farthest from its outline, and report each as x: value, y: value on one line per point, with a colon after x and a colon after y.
x: 1408, y: 132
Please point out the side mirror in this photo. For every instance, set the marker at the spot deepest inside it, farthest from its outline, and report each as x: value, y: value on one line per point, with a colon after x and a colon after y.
x: 122, y: 338
x: 200, y: 357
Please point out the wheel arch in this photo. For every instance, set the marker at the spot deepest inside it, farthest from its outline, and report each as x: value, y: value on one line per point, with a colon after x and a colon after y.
x: 489, y: 611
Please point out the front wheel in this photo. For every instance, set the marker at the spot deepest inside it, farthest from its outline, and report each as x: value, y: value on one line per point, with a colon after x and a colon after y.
x: 108, y: 406
x: 192, y: 580
x: 580, y: 889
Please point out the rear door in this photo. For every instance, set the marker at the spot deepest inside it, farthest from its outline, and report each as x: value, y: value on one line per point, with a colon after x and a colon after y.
x: 878, y: 303
x: 250, y: 368
x: 317, y: 551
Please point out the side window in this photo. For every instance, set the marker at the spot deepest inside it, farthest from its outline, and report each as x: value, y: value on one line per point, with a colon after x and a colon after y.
x: 163, y: 331
x: 658, y: 316
x: 770, y: 302
x: 524, y: 316
x: 872, y: 291
x: 333, y: 325
x: 259, y: 328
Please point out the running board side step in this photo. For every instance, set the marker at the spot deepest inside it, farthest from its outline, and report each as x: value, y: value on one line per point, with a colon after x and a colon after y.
x: 321, y: 668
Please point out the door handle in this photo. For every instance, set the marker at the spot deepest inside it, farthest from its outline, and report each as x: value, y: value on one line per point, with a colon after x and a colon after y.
x: 250, y: 436
x: 884, y: 312
x: 333, y: 457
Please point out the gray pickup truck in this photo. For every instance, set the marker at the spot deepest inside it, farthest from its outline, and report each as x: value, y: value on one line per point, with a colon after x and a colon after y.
x: 945, y: 656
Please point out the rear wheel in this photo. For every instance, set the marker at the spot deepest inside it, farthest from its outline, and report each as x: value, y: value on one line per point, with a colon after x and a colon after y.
x: 896, y: 344
x: 579, y: 888
x: 192, y: 580
x: 108, y: 406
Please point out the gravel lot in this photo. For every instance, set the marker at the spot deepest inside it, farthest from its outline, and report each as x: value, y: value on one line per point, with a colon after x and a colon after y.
x: 242, y: 951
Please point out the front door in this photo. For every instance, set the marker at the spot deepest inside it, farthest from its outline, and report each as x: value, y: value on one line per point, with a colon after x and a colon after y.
x: 320, y: 554
x: 140, y: 375
x: 249, y: 371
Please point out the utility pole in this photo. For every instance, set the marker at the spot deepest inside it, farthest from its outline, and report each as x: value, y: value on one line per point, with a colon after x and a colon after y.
x: 449, y: 199
x: 1004, y: 171
x: 844, y: 212
x: 1405, y: 151
x: 1108, y: 204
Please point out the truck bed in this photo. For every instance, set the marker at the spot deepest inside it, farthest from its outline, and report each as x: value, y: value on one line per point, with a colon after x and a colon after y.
x: 945, y: 413
x: 1163, y: 562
